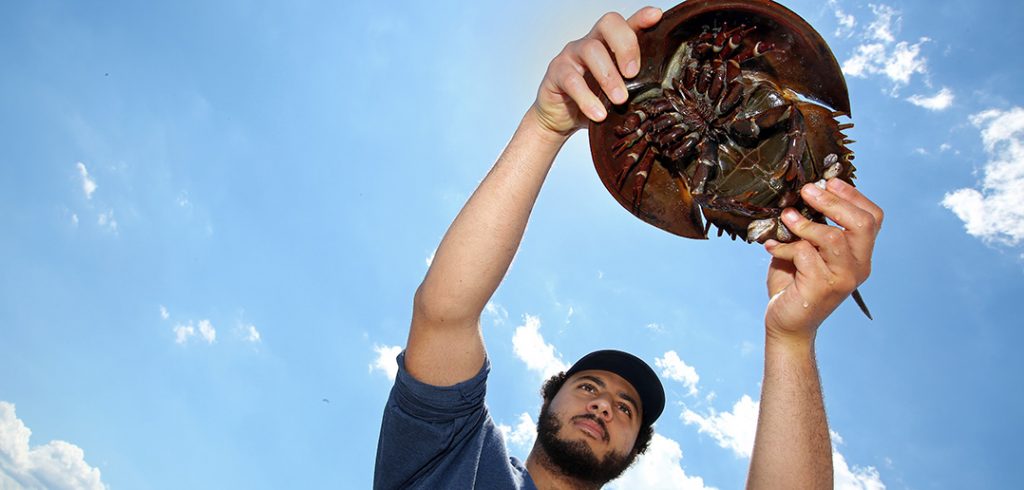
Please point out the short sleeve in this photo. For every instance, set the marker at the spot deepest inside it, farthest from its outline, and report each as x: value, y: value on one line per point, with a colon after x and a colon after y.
x: 428, y: 429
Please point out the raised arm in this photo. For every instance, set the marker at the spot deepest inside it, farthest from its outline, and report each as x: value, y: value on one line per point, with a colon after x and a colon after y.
x: 807, y: 280
x: 445, y: 343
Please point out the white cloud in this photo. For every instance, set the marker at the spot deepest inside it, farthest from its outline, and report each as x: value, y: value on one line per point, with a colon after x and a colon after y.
x: 250, y: 334
x: 937, y: 102
x: 868, y: 59
x: 846, y: 21
x: 107, y: 220
x: 856, y: 478
x: 430, y: 258
x: 945, y: 147
x: 905, y: 61
x: 74, y: 219
x: 877, y: 55
x: 529, y: 346
x: 882, y: 27
x: 898, y: 64
x: 497, y: 313
x: 994, y: 212
x: 655, y: 327
x: 164, y: 314
x: 183, y: 332
x: 733, y: 430
x: 207, y: 331
x: 674, y: 368
x: 385, y: 361
x: 659, y: 468
x: 56, y: 464
x: 88, y: 184
x: 521, y: 437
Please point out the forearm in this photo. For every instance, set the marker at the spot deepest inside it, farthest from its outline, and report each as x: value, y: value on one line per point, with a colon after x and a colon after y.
x: 445, y: 343
x: 792, y: 449
x: 479, y: 246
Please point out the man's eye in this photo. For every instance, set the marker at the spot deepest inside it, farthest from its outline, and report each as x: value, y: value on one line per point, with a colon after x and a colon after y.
x: 625, y: 409
x: 588, y: 387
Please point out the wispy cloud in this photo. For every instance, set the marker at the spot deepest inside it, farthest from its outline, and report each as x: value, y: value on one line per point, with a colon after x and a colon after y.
x: 521, y: 436
x: 994, y: 212
x: 880, y: 53
x: 183, y: 201
x: 385, y: 360
x: 251, y: 334
x: 659, y: 468
x: 184, y: 332
x: 655, y: 327
x: 735, y: 431
x: 56, y: 464
x: 88, y: 184
x: 732, y: 430
x: 940, y: 101
x: 106, y: 220
x: 539, y: 356
x: 855, y: 478
x: 846, y: 21
x: 497, y: 313
x: 674, y: 368
x: 882, y: 27
x: 164, y: 314
x: 207, y: 331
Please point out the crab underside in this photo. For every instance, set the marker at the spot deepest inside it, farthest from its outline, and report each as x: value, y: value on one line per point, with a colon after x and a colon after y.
x: 734, y: 110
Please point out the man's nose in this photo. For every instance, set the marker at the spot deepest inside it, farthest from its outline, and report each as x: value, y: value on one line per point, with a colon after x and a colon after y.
x: 602, y: 408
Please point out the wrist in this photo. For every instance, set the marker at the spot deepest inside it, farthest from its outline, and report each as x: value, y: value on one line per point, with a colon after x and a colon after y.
x: 789, y: 343
x: 537, y: 126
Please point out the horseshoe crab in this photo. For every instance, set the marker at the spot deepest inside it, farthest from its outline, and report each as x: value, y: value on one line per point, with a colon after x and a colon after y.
x: 734, y: 110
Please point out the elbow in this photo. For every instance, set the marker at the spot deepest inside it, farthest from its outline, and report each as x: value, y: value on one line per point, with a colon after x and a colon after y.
x: 435, y: 307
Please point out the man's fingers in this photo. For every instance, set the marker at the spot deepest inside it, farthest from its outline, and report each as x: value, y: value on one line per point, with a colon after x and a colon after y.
x: 572, y: 82
x: 621, y: 39
x: 850, y: 193
x: 596, y: 59
x: 644, y: 18
x: 803, y: 255
x: 861, y: 224
x: 844, y: 269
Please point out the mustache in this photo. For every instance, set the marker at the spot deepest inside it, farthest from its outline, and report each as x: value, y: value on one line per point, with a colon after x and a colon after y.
x: 590, y: 416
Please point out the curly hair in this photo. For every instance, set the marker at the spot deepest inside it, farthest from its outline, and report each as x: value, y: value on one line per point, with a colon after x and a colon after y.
x: 554, y: 383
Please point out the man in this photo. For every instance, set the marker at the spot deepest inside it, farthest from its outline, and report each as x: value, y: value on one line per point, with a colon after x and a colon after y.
x: 597, y: 416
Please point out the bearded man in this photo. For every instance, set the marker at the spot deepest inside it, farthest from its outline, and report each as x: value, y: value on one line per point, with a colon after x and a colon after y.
x: 598, y: 416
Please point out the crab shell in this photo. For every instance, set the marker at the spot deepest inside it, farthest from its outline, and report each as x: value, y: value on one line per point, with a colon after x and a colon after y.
x: 801, y: 62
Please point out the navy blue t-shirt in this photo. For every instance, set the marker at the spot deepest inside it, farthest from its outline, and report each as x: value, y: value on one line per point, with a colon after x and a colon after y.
x: 442, y: 437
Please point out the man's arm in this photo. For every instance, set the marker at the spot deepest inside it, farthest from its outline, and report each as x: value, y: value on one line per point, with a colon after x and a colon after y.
x: 807, y: 280
x: 445, y: 343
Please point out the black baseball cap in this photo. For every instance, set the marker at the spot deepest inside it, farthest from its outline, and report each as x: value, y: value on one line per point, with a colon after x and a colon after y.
x: 632, y: 369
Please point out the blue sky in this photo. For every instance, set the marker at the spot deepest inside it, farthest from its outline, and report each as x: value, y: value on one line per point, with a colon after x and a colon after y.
x: 214, y: 216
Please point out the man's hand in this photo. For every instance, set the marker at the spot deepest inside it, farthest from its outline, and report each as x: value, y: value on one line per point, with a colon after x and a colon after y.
x: 809, y: 278
x: 610, y: 52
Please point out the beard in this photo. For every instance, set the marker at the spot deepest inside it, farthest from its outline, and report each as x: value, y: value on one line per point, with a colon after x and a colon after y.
x: 576, y: 459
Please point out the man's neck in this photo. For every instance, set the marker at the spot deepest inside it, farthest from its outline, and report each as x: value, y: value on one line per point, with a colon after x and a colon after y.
x: 547, y: 476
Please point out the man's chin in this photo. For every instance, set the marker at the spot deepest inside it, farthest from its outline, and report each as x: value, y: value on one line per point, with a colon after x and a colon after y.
x: 575, y: 452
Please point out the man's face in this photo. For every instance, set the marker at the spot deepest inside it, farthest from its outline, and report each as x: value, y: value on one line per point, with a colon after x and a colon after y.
x: 590, y: 427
